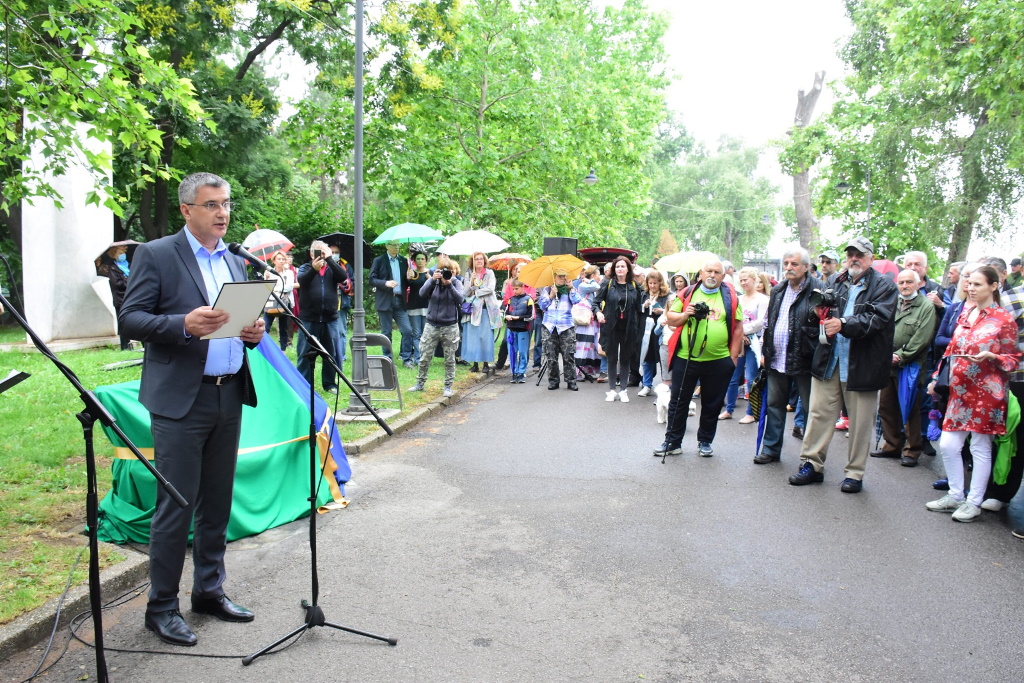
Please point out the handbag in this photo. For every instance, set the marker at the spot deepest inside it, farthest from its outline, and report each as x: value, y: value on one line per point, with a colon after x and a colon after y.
x: 581, y: 314
x: 466, y: 307
x: 941, y: 387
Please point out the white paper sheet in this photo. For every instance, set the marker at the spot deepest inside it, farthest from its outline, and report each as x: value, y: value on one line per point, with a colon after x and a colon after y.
x: 244, y: 302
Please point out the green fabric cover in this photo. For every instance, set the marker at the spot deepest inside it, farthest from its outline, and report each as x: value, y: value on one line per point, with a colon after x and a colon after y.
x: 271, y: 481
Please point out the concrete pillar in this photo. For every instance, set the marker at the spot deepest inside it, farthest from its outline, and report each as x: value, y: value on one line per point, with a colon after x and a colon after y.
x: 59, y: 245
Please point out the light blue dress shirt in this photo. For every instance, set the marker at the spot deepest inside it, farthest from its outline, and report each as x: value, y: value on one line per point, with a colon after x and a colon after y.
x: 225, y: 355
x: 396, y: 272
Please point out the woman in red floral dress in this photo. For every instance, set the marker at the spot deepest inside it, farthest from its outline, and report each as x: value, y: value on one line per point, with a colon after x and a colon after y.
x: 983, y: 351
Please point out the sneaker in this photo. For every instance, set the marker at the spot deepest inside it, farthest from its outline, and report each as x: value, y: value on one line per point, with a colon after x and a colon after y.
x: 992, y: 504
x: 966, y: 513
x: 945, y: 504
x: 644, y: 391
x: 416, y: 387
x: 602, y: 378
x: 806, y: 475
x: 409, y: 364
x: 843, y: 423
x: 765, y: 458
x: 665, y: 449
x: 514, y: 380
x: 941, y: 484
x: 704, y: 449
x: 1017, y: 533
x: 611, y: 396
x: 447, y: 393
x: 331, y: 390
x: 623, y: 396
x: 693, y: 408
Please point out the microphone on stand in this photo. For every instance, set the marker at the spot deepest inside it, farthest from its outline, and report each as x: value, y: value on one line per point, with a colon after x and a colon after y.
x: 260, y: 267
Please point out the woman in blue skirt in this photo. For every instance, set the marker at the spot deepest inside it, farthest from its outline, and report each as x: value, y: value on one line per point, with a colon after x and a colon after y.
x: 485, y: 317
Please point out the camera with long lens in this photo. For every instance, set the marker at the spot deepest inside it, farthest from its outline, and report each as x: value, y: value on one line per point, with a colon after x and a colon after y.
x: 446, y: 273
x: 700, y: 310
x: 826, y: 298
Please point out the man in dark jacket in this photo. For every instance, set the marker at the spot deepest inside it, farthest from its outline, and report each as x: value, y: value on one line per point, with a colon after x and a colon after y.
x: 852, y: 363
x: 443, y: 293
x: 318, y: 311
x: 789, y: 340
x: 389, y: 276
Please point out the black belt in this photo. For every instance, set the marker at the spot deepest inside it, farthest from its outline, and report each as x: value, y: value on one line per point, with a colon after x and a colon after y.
x: 218, y: 379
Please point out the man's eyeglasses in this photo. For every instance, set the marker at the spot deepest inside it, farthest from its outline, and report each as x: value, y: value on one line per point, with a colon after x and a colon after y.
x: 213, y: 206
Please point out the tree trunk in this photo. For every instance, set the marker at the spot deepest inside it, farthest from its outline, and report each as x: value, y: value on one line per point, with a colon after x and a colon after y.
x: 807, y: 224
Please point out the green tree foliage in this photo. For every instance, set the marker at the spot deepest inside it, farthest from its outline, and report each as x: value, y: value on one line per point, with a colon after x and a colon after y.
x: 490, y: 115
x: 81, y: 62
x: 707, y: 201
x: 910, y: 130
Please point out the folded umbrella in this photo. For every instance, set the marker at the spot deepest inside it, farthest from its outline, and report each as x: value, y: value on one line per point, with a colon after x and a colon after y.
x: 757, y: 400
x: 907, y: 388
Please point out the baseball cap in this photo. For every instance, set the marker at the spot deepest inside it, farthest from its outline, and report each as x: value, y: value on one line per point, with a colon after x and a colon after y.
x: 1015, y: 262
x: 861, y: 244
x: 829, y: 254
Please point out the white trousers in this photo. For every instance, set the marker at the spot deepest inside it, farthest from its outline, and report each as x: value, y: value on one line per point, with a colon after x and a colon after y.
x: 950, y: 445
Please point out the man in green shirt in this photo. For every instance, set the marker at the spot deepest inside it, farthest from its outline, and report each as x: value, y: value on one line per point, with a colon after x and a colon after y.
x: 704, y: 348
x: 1015, y: 278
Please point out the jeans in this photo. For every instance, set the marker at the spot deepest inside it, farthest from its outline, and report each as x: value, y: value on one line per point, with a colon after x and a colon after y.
x: 1015, y: 510
x: 416, y: 322
x: 538, y: 338
x: 342, y: 336
x: 399, y: 315
x: 775, y: 412
x: 518, y: 351
x: 283, y: 332
x: 327, y: 333
x: 649, y: 370
x: 800, y: 413
x: 746, y: 366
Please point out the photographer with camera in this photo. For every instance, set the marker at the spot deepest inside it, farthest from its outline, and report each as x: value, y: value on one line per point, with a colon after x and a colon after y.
x: 705, y: 346
x: 852, y: 362
x: 318, y: 310
x: 788, y: 344
x: 443, y: 292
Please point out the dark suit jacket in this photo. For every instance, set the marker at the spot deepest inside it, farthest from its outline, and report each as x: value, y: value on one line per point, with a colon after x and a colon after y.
x: 380, y: 272
x: 165, y: 285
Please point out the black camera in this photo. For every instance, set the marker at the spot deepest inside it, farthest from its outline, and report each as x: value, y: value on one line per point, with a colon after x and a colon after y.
x: 446, y: 273
x: 826, y: 298
x: 700, y: 310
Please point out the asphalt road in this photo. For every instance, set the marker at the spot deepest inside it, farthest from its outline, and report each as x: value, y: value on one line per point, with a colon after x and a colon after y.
x: 529, y: 535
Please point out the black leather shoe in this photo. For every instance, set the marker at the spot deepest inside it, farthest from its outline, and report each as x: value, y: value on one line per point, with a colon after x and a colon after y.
x: 907, y: 461
x: 572, y: 386
x: 798, y: 432
x: 765, y: 458
x: 552, y: 387
x: 882, y: 453
x: 170, y: 627
x: 806, y: 475
x: 222, y: 608
x: 927, y: 448
x: 851, y: 486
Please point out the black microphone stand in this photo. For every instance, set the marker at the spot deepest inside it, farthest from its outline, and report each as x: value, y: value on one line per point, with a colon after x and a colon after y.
x: 94, y: 410
x: 314, y: 614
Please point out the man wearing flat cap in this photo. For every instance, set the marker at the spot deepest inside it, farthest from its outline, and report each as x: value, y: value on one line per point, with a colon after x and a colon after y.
x: 1015, y: 278
x: 851, y: 363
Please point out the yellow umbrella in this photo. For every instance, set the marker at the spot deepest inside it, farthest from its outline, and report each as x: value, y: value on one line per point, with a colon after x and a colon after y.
x: 541, y: 273
x: 684, y: 261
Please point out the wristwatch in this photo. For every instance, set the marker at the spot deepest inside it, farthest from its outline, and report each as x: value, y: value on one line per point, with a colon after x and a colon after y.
x: 842, y: 321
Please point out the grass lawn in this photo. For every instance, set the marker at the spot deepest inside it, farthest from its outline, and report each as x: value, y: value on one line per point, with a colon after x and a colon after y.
x: 43, y: 472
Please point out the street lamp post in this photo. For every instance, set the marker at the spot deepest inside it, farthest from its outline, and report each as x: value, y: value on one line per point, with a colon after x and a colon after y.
x: 360, y: 379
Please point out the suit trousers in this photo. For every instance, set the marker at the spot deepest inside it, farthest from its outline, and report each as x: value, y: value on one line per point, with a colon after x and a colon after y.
x: 197, y: 454
x: 827, y: 398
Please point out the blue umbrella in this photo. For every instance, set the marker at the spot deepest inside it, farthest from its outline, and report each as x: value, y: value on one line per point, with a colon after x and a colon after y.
x: 409, y: 232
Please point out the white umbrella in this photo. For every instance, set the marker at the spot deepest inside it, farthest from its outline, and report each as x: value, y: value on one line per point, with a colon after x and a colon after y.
x: 472, y: 241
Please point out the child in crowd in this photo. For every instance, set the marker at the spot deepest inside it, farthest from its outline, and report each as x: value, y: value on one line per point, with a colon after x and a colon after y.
x: 518, y: 315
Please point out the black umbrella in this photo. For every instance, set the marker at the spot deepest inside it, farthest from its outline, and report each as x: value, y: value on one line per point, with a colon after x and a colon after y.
x: 346, y: 246
x: 129, y: 245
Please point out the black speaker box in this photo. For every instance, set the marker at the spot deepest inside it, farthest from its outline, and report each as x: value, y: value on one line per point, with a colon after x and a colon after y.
x: 560, y: 245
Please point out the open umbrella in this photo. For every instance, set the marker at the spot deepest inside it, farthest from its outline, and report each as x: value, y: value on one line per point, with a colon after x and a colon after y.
x: 263, y: 242
x: 541, y: 273
x: 130, y: 244
x: 886, y: 267
x: 409, y: 232
x: 602, y: 255
x: 507, y: 261
x: 683, y: 261
x: 346, y: 246
x: 472, y: 241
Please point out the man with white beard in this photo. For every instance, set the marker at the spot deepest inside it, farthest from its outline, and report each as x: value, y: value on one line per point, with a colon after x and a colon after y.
x: 851, y: 363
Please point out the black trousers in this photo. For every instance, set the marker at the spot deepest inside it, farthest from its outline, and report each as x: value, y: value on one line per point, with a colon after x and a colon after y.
x: 197, y: 454
x: 714, y: 376
x: 620, y: 350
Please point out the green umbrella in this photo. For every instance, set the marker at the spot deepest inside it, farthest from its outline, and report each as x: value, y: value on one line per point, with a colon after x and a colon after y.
x: 409, y: 232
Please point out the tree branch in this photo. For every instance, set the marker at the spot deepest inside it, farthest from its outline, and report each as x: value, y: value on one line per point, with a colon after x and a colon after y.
x: 250, y: 58
x: 462, y: 142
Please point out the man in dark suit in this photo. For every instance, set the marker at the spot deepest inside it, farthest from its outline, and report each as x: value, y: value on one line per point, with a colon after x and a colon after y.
x: 194, y: 390
x: 389, y: 276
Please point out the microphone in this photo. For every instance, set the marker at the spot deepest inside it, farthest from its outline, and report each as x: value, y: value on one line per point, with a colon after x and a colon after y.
x: 238, y: 250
